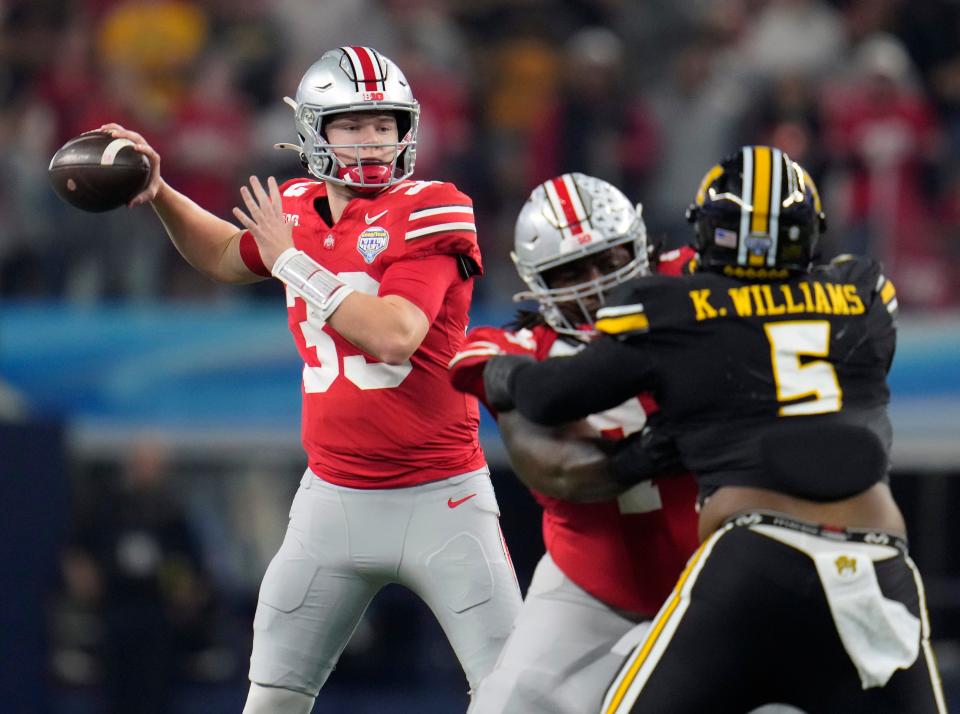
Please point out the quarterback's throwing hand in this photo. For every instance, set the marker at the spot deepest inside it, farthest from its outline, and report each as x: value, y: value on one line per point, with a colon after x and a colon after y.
x: 264, y: 219
x: 139, y: 144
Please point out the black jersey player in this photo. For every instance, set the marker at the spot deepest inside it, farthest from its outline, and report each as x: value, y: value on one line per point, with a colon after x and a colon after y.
x: 771, y: 378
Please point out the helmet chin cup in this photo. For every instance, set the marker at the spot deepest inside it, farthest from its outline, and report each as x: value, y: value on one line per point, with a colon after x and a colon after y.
x: 366, y: 178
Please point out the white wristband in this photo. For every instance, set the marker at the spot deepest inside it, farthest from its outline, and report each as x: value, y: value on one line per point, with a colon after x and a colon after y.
x: 311, y: 281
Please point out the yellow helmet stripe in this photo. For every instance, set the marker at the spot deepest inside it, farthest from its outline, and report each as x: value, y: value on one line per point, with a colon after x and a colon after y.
x: 712, y: 175
x: 760, y: 216
x: 813, y: 189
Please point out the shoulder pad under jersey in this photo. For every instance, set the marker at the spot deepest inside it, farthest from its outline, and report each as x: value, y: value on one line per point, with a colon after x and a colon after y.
x: 642, y: 303
x: 866, y: 273
x: 439, y: 222
x: 297, y: 188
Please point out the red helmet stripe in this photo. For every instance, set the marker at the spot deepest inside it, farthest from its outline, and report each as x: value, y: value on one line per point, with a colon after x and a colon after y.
x: 366, y: 67
x: 565, y: 198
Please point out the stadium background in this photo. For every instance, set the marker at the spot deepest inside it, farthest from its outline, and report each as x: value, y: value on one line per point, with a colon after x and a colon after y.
x: 124, y: 375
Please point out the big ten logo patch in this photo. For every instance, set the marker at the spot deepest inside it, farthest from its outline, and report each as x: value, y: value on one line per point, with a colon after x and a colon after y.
x: 372, y: 242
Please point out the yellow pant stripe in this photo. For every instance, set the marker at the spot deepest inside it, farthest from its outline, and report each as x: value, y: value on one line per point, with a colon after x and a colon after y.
x: 662, y: 619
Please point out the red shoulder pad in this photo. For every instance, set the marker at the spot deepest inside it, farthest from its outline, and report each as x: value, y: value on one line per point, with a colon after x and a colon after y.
x: 440, y: 222
x: 296, y: 189
x: 676, y: 262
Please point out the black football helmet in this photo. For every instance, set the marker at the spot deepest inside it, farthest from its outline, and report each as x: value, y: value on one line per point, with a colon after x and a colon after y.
x: 758, y: 215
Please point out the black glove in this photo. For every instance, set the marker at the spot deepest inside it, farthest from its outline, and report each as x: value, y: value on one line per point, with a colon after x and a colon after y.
x: 644, y: 456
x: 497, y: 376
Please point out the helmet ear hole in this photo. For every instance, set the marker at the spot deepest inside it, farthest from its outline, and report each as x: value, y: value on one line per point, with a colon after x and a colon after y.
x: 403, y: 124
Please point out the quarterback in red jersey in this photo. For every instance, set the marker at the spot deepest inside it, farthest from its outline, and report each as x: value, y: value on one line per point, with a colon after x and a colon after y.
x: 378, y: 270
x: 609, y: 564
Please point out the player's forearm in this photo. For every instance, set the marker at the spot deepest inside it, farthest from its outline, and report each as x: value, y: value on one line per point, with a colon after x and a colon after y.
x: 209, y: 243
x: 564, y: 389
x: 388, y: 328
x: 556, y: 462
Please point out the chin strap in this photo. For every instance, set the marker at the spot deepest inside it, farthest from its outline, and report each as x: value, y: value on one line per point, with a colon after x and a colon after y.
x: 294, y: 147
x: 311, y: 281
x: 286, y: 145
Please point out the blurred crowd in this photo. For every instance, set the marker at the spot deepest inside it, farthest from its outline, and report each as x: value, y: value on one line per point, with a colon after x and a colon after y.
x: 645, y: 95
x: 864, y: 93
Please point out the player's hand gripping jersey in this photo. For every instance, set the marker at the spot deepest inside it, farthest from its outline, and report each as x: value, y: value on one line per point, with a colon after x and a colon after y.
x: 367, y: 424
x: 811, y: 345
x: 627, y: 553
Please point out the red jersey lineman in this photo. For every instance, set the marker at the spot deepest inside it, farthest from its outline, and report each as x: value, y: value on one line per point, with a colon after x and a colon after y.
x: 378, y: 270
x: 610, y: 564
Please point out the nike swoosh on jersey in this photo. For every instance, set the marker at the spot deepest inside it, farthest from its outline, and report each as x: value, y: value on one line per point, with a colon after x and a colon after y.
x: 460, y: 501
x: 369, y: 219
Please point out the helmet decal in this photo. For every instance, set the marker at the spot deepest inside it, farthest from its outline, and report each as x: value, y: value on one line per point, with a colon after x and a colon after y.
x: 757, y: 210
x: 568, y: 209
x: 366, y: 68
x: 565, y: 219
x: 355, y: 79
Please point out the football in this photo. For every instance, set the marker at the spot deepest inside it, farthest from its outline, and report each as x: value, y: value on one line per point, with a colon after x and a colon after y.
x: 96, y: 172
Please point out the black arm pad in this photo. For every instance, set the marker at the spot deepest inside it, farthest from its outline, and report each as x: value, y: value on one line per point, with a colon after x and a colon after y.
x: 644, y: 456
x: 497, y: 375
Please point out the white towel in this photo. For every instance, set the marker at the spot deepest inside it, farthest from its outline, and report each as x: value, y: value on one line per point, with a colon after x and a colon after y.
x: 880, y: 635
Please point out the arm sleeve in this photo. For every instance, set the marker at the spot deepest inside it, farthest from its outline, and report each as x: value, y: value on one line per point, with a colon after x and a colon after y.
x: 423, y: 281
x: 250, y: 254
x: 600, y: 377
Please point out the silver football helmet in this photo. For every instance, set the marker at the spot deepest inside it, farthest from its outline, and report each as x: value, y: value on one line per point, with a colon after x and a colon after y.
x: 568, y: 218
x: 352, y: 79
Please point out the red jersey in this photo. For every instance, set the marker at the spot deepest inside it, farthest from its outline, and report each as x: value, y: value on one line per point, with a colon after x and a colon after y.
x: 367, y: 424
x: 627, y: 553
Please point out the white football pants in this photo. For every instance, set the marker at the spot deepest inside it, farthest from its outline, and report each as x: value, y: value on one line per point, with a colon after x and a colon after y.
x: 559, y: 657
x: 441, y: 540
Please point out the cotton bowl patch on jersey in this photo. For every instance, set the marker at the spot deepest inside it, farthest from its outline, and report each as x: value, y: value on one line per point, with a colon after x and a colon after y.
x: 372, y: 242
